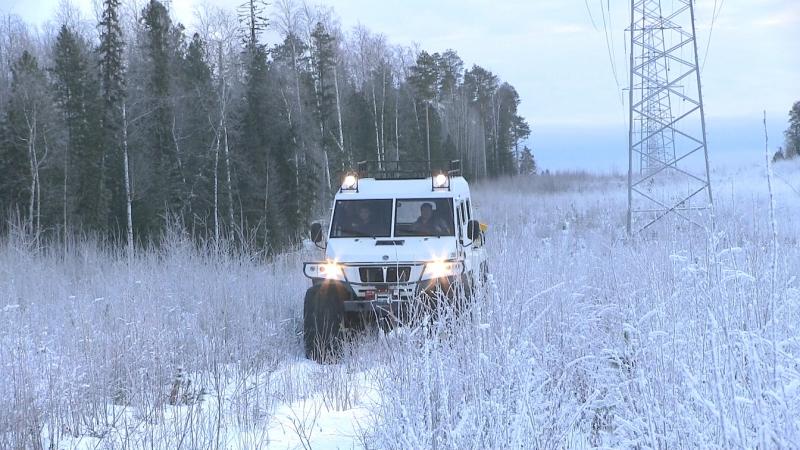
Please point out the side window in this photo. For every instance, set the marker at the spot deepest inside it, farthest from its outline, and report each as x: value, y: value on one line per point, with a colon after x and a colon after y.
x: 463, y: 209
x: 460, y: 219
x: 469, y: 211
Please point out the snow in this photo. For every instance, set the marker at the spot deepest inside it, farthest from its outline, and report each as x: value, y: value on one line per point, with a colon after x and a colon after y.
x: 313, y: 421
x: 581, y: 338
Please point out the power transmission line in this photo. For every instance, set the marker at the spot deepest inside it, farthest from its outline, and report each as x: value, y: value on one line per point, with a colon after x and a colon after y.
x: 715, y: 13
x: 591, y: 17
x: 669, y: 145
x: 610, y: 47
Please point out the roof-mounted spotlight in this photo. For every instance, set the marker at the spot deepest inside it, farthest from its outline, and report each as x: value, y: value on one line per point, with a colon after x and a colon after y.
x: 440, y: 181
x: 350, y: 183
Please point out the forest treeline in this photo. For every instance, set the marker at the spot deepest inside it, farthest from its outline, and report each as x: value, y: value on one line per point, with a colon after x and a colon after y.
x: 122, y: 127
x: 791, y: 144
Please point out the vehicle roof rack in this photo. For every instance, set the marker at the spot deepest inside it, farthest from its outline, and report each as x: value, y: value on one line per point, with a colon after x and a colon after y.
x: 407, y: 170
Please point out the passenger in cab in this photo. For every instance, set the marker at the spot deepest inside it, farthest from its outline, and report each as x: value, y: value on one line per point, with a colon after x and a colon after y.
x: 428, y: 224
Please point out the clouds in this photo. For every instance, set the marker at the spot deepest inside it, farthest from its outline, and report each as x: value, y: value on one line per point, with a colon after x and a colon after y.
x: 559, y: 63
x: 784, y: 18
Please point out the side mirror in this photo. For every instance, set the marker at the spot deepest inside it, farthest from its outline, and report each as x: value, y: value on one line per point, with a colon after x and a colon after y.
x: 473, y: 230
x: 316, y: 233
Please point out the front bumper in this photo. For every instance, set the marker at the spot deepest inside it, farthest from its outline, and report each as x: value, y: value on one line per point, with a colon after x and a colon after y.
x: 383, y: 299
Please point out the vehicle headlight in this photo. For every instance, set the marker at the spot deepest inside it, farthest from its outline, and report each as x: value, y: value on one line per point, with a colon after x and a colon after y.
x: 440, y: 181
x: 441, y: 269
x: 329, y: 270
x: 350, y: 183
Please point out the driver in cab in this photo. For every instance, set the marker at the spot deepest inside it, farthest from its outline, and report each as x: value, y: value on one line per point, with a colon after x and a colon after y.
x: 363, y: 225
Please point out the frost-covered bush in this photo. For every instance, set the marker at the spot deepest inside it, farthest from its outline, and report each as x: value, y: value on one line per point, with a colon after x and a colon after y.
x: 675, y: 339
x: 582, y: 337
x: 84, y: 333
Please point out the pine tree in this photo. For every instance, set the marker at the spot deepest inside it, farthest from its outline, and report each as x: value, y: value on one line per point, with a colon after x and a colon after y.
x: 112, y: 91
x: 323, y: 61
x: 166, y: 192
x: 509, y: 129
x: 258, y: 184
x: 295, y: 82
x: 87, y: 196
x: 527, y: 163
x: 195, y: 109
x: 451, y: 70
x: 792, y: 133
x: 480, y: 87
x: 253, y: 144
x: 520, y: 130
x: 424, y: 78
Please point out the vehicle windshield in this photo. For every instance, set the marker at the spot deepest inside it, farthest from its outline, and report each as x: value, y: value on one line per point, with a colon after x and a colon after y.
x: 424, y: 217
x: 362, y: 218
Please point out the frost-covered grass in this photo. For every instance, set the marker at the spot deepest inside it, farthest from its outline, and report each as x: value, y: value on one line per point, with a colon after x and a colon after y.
x: 582, y: 338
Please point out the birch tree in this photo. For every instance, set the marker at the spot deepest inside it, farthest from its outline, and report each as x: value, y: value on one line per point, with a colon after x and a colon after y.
x: 30, y: 115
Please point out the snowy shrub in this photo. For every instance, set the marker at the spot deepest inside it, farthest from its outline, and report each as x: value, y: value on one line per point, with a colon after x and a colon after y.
x: 581, y: 337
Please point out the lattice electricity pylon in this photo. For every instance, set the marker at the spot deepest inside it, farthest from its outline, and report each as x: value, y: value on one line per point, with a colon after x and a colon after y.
x: 667, y: 133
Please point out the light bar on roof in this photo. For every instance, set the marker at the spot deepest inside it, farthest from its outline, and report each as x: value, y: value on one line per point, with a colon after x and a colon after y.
x: 440, y: 181
x: 350, y: 183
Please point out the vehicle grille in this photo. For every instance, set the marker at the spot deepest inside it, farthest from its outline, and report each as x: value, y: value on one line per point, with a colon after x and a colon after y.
x: 371, y: 274
x: 396, y: 274
x: 393, y: 274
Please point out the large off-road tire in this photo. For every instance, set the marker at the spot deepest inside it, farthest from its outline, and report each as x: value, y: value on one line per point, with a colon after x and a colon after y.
x: 356, y: 322
x: 484, y: 272
x: 475, y: 283
x: 323, y: 322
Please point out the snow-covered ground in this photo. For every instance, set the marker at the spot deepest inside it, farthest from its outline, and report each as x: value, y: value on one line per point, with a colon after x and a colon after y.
x: 680, y: 338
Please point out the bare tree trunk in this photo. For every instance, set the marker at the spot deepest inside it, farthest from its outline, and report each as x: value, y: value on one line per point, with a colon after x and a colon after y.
x: 302, y: 147
x: 66, y: 176
x: 223, y: 124
x: 33, y: 167
x: 296, y: 152
x: 177, y: 151
x: 38, y: 205
x: 327, y: 174
x: 495, y: 132
x: 266, y: 206
x: 180, y: 164
x: 33, y: 159
x: 339, y: 115
x: 397, y: 124
x: 126, y: 170
x: 39, y: 189
x: 428, y: 134
x: 318, y: 89
x: 228, y: 173
x: 383, y: 111
x: 296, y: 78
x: 324, y: 150
x: 216, y: 187
x: 416, y: 116
x: 375, y: 121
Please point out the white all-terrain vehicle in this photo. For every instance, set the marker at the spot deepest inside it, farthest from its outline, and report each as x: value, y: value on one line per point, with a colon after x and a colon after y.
x: 400, y: 234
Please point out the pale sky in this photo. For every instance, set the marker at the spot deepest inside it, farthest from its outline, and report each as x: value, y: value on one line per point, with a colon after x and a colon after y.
x: 559, y: 62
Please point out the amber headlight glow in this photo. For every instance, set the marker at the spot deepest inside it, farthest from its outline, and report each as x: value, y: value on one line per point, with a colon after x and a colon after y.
x: 441, y: 268
x: 329, y: 270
